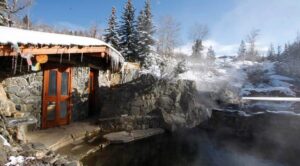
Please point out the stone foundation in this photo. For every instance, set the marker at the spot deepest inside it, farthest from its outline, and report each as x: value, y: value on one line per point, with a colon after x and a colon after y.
x: 26, y: 93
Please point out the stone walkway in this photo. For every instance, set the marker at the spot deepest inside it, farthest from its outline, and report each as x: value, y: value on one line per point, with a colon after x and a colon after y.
x: 56, y: 138
x: 125, y: 137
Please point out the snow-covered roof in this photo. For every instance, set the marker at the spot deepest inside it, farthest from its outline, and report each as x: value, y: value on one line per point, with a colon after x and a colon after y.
x: 15, y: 35
x: 20, y: 36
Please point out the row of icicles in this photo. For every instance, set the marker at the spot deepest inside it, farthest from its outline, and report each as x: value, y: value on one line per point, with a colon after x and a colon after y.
x: 114, y: 57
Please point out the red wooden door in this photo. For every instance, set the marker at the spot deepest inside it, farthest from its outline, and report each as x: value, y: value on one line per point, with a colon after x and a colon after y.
x: 56, y: 97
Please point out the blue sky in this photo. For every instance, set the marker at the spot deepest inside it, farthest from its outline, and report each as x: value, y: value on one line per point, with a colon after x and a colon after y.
x: 229, y: 21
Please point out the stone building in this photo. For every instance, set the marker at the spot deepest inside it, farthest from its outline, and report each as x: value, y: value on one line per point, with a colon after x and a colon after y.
x: 53, y: 77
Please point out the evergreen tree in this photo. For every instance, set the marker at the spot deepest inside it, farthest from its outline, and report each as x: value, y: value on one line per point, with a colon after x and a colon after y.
x: 242, y: 50
x: 111, y: 34
x: 286, y: 49
x: 197, y: 49
x: 128, y: 33
x: 145, y: 31
x: 271, y: 53
x: 278, y: 51
x: 26, y: 22
x: 211, y: 55
x: 4, y: 21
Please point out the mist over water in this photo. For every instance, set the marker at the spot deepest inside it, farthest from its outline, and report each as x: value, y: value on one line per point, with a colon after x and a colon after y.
x: 190, y: 148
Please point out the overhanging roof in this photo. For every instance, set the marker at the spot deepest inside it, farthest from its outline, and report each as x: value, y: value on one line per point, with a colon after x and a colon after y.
x: 35, y: 42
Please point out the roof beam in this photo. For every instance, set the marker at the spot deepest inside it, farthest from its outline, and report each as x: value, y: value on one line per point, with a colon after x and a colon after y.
x: 8, y: 51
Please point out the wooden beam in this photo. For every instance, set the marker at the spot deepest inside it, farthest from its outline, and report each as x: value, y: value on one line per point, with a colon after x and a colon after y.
x: 8, y: 51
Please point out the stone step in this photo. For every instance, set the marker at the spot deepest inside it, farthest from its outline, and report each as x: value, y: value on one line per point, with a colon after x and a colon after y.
x: 125, y: 137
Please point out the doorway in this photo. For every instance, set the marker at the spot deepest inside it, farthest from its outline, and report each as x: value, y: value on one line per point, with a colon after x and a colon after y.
x: 56, y: 104
x: 93, y: 84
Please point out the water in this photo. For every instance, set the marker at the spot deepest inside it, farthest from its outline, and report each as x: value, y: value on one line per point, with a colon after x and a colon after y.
x: 194, y: 148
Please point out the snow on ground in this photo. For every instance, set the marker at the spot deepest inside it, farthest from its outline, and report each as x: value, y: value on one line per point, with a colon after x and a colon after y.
x: 4, y: 141
x: 276, y: 83
x: 233, y: 75
x: 18, y: 161
x: 247, y: 114
x: 216, y: 76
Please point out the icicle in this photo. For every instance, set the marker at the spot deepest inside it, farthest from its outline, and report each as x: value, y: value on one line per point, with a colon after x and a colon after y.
x: 12, y: 63
x: 28, y: 59
x: 16, y: 65
x: 16, y: 48
x: 69, y: 53
x: 115, y: 59
x: 106, y: 59
x: 60, y: 60
x: 81, y: 58
x: 21, y: 64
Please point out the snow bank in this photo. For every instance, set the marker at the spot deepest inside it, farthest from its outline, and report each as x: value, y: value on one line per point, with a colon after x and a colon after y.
x: 276, y: 83
x: 274, y: 106
x: 18, y: 161
x: 215, y: 77
x: 267, y: 89
x: 246, y: 114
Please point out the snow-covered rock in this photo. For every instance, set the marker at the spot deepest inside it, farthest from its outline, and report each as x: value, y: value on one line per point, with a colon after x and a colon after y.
x: 4, y: 141
x: 18, y: 160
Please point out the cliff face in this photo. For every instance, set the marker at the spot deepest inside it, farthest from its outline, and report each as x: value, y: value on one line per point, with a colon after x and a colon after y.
x: 176, y: 103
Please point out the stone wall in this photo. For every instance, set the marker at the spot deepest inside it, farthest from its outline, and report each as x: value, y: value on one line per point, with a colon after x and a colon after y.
x: 80, y: 93
x: 25, y: 92
x: 176, y: 102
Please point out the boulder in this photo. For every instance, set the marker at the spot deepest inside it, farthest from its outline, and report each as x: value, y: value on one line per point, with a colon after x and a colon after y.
x: 178, y: 103
x: 7, y: 108
x: 2, y: 93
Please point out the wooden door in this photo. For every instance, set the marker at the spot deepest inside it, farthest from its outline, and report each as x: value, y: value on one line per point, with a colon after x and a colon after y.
x: 93, y: 83
x: 56, y: 97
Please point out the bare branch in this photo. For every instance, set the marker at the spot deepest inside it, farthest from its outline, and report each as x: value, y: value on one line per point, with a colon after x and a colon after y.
x: 199, y: 32
x: 16, y: 6
x: 252, y: 36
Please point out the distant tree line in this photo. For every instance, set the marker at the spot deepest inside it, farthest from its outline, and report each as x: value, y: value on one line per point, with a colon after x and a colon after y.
x: 288, y: 60
x: 248, y: 50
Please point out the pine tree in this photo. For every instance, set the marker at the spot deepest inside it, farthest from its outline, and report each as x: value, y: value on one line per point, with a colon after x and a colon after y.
x: 242, y: 50
x: 145, y: 31
x: 211, y: 55
x: 26, y: 22
x: 286, y: 50
x: 278, y: 51
x: 128, y: 33
x: 271, y: 52
x: 111, y: 35
x: 197, y: 49
x: 4, y: 21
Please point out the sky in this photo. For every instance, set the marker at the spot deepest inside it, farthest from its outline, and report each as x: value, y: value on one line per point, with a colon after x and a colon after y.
x: 229, y: 21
